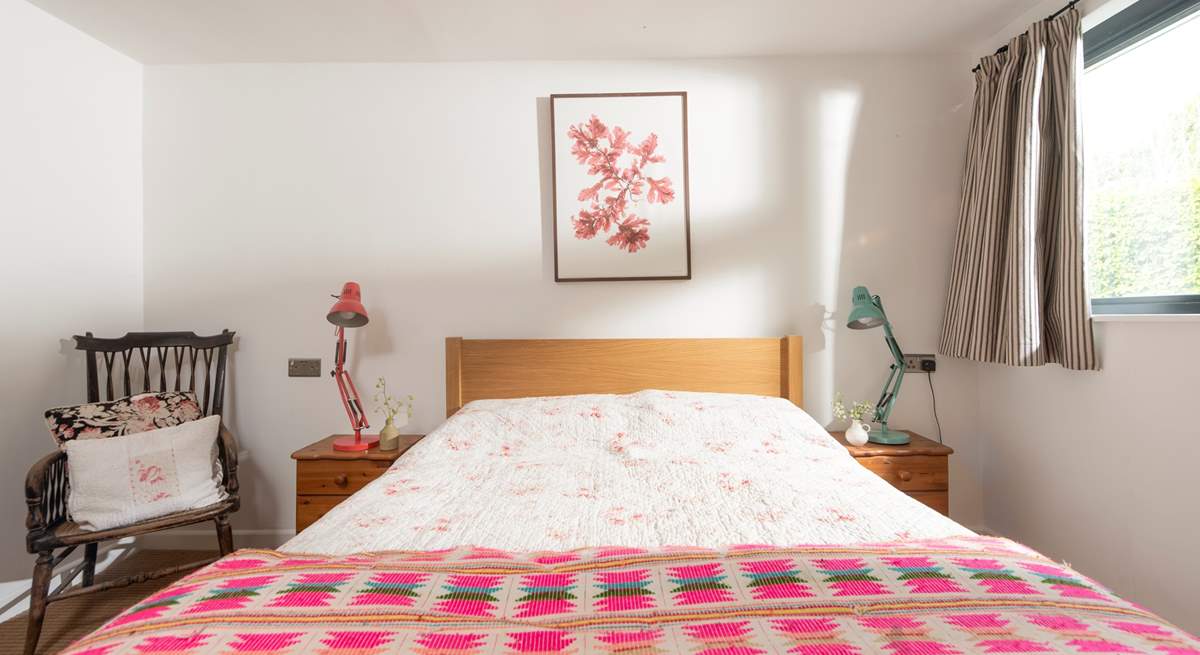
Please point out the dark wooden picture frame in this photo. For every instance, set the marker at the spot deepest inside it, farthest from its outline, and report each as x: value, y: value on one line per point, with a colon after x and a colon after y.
x: 630, y: 243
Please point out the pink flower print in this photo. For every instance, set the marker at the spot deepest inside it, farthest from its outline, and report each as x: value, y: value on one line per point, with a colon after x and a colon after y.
x: 540, y: 641
x: 90, y: 433
x: 188, y: 409
x: 730, y: 484
x: 611, y: 199
x: 262, y: 643
x: 147, y: 404
x: 141, y: 424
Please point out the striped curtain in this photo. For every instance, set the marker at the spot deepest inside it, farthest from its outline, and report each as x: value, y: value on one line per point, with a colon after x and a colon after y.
x: 1017, y: 292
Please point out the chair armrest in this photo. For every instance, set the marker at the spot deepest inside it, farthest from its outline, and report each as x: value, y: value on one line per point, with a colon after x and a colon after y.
x: 46, y: 488
x: 229, y: 459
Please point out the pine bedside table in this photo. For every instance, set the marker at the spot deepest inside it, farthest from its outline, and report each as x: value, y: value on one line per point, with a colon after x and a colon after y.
x: 326, y: 477
x: 920, y: 468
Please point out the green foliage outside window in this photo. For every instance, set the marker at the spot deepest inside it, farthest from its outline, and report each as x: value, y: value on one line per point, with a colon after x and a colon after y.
x: 1143, y: 213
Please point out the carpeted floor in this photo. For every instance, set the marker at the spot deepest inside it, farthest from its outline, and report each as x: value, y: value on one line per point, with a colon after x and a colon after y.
x: 70, y: 619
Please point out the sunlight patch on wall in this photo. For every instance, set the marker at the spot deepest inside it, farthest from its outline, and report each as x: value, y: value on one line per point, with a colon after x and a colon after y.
x: 837, y: 114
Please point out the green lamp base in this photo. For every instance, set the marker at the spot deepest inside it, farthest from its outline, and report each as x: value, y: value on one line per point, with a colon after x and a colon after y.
x: 885, y: 435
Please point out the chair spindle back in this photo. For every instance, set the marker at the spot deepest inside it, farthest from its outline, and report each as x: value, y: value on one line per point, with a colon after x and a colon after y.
x: 145, y: 362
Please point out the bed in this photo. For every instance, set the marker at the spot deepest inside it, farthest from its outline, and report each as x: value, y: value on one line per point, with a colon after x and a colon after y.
x: 641, y: 496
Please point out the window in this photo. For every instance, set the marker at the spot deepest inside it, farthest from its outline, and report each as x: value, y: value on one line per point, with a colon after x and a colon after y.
x: 1141, y: 123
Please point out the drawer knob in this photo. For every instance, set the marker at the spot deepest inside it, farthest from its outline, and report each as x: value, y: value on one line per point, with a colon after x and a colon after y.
x: 341, y: 480
x: 905, y: 476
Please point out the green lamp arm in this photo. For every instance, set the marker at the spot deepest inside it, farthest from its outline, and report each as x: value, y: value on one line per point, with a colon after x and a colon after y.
x: 891, y: 388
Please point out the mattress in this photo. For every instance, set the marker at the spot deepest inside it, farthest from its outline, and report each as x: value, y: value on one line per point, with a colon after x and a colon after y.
x: 650, y: 469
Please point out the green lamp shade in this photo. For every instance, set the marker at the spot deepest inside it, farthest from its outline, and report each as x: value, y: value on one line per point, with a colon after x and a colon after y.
x: 865, y: 314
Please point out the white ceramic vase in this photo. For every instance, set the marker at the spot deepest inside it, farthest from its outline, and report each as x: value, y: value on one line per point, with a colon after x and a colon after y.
x: 857, y: 433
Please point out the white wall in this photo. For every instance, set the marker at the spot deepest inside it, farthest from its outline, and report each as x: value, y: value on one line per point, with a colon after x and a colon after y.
x: 71, y: 225
x: 1099, y: 468
x: 267, y: 186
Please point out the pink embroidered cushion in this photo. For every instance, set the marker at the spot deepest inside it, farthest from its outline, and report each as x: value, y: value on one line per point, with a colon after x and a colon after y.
x: 122, y: 416
x: 122, y: 480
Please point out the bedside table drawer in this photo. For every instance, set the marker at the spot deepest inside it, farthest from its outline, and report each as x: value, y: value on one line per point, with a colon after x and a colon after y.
x: 936, y: 500
x: 914, y: 473
x: 311, y: 508
x: 336, y: 478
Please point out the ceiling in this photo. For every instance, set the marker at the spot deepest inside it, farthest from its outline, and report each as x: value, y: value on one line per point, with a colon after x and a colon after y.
x: 214, y: 31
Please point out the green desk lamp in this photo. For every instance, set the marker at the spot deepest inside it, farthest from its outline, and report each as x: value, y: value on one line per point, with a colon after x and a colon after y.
x: 868, y: 313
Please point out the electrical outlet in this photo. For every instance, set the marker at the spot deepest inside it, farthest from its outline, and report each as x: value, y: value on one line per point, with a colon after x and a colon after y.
x: 919, y: 363
x: 299, y: 367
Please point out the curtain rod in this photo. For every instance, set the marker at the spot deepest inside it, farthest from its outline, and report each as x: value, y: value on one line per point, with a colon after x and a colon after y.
x: 1004, y: 48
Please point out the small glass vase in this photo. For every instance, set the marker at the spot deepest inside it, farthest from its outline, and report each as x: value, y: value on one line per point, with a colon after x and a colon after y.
x: 389, y: 436
x: 857, y: 434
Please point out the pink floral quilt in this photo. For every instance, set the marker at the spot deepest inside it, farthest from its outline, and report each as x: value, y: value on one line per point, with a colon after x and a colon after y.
x: 961, y: 595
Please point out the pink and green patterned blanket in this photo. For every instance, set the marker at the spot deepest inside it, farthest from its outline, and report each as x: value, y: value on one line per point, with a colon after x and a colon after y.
x: 964, y: 595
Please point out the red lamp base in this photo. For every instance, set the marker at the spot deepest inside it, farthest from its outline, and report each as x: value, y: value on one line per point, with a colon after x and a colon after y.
x: 350, y: 443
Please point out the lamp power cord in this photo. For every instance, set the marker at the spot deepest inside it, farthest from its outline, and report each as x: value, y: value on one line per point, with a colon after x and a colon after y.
x: 933, y: 395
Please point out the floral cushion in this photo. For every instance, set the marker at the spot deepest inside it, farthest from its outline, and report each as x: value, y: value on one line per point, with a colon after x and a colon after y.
x: 140, y: 413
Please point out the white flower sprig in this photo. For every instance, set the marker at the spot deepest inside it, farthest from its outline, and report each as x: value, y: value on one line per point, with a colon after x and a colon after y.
x: 856, y: 412
x: 389, y: 406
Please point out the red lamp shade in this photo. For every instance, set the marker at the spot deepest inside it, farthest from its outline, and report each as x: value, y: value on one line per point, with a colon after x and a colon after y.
x: 348, y: 311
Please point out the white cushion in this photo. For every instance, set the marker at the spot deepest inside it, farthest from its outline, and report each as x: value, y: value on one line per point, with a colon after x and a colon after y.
x: 122, y: 480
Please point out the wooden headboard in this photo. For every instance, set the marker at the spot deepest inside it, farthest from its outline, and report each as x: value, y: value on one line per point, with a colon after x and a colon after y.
x: 518, y: 368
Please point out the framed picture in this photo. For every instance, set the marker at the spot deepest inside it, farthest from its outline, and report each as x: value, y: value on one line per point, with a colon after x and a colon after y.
x: 620, y: 186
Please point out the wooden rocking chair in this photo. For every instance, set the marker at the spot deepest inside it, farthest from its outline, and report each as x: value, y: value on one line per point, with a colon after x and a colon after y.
x: 47, y: 485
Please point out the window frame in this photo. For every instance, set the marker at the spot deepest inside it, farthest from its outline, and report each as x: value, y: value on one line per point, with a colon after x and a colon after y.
x: 1109, y: 39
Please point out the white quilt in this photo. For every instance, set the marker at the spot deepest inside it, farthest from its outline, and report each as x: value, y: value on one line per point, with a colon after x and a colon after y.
x: 647, y: 469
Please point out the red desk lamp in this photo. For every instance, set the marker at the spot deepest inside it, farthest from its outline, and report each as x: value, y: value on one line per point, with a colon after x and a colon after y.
x: 348, y: 311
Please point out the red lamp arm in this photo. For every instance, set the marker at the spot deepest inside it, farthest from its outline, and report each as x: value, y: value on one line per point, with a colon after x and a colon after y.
x: 349, y: 394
